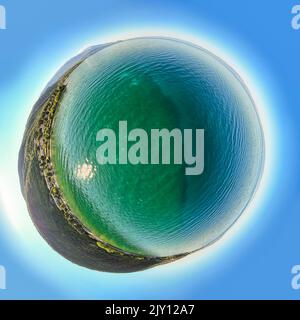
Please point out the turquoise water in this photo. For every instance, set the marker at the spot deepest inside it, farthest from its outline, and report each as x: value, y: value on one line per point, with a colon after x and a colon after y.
x: 152, y: 83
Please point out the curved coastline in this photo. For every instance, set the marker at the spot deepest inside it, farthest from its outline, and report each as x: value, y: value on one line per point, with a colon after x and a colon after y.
x: 37, y: 149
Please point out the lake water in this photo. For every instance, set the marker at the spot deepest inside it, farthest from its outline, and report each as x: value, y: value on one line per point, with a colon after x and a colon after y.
x: 157, y: 210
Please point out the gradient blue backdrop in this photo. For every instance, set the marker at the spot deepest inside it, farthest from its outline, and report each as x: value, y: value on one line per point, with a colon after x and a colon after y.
x: 257, y: 262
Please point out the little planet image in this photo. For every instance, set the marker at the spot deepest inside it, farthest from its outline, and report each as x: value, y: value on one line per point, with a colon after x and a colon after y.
x: 140, y: 152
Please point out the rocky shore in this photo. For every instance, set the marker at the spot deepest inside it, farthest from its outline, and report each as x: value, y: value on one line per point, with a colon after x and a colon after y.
x: 43, y: 148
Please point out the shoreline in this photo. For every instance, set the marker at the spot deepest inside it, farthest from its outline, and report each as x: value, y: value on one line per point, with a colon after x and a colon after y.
x: 43, y: 151
x: 42, y: 142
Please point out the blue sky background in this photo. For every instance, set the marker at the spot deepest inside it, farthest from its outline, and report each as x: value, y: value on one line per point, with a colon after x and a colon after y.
x: 255, y: 260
